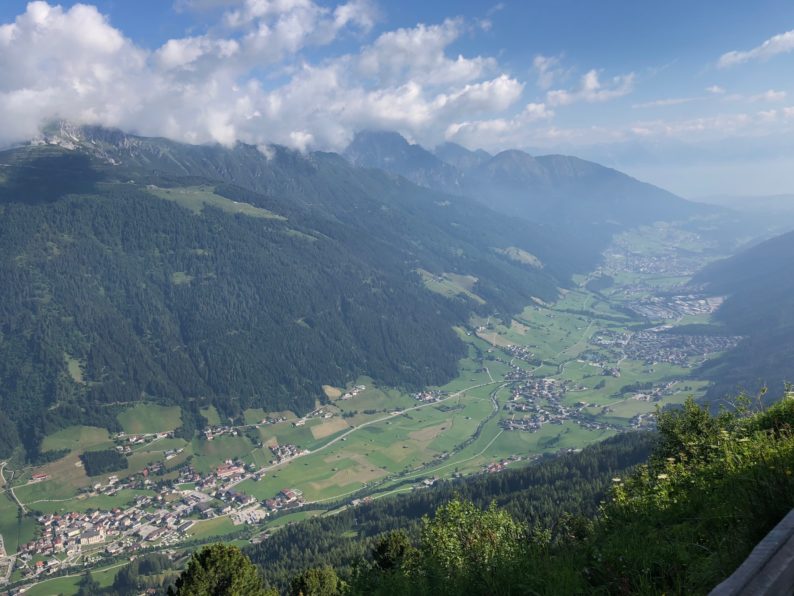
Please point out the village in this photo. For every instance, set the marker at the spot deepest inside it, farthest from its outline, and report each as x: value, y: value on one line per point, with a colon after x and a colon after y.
x: 162, y: 519
x: 659, y: 344
x: 674, y: 307
x: 535, y: 402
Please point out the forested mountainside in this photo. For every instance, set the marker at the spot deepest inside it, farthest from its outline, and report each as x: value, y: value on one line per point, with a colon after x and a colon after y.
x: 569, y: 191
x: 130, y: 269
x: 759, y: 285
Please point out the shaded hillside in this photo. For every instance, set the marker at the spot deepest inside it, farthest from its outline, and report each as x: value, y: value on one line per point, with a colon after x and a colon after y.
x: 759, y: 283
x: 569, y: 193
x: 130, y: 269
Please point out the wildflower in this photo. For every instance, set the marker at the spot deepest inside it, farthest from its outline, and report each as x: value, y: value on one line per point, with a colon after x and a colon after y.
x: 616, y: 480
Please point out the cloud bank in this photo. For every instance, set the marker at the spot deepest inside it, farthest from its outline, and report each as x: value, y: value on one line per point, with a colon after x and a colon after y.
x: 221, y: 87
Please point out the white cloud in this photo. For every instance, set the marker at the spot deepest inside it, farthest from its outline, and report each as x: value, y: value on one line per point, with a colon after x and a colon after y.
x: 73, y: 64
x: 419, y: 53
x: 715, y: 90
x: 498, y: 133
x: 250, y: 79
x: 661, y: 103
x: 549, y: 70
x: 591, y: 90
x: 771, y: 96
x: 778, y: 44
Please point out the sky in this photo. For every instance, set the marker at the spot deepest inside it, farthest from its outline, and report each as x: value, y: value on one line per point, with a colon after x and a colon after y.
x: 697, y: 97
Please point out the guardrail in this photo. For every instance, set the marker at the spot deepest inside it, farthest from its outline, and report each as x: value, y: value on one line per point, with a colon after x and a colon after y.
x: 769, y: 570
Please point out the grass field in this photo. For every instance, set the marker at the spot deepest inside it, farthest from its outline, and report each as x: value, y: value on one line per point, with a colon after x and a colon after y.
x: 150, y: 418
x: 211, y: 414
x: 450, y: 284
x: 15, y: 531
x: 101, y: 502
x: 220, y: 526
x: 69, y: 585
x: 196, y: 198
x: 77, y: 438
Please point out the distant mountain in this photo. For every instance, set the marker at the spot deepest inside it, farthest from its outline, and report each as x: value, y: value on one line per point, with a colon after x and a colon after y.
x: 558, y: 189
x: 460, y: 157
x: 139, y: 268
x: 390, y: 152
x: 759, y: 284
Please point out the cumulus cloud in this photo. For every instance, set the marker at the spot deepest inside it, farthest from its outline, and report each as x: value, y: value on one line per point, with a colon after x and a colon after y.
x: 247, y: 80
x: 549, y: 70
x: 592, y: 90
x: 499, y: 132
x: 778, y: 44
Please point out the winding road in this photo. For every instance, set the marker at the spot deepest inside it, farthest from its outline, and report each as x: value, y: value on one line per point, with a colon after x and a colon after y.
x: 364, y: 425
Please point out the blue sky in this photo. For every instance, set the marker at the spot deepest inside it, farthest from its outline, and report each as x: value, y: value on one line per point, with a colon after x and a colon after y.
x: 694, y: 96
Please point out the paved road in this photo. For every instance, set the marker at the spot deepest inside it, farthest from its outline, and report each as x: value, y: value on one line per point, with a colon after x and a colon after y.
x: 364, y: 425
x: 10, y: 489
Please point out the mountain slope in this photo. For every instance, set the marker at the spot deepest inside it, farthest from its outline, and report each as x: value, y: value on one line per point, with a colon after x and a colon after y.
x: 759, y: 283
x: 460, y: 157
x: 390, y: 152
x: 131, y: 269
x: 555, y: 189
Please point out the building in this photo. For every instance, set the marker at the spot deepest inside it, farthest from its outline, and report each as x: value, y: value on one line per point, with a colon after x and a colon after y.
x: 91, y: 537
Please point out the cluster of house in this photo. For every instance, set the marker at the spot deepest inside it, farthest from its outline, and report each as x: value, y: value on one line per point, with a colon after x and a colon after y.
x: 287, y: 498
x: 319, y: 413
x: 218, y: 431
x: 540, y: 400
x: 70, y: 532
x: 273, y: 420
x: 429, y: 396
x: 521, y: 353
x: 673, y: 307
x: 225, y: 476
x: 285, y: 452
x: 499, y: 466
x: 126, y: 443
x: 657, y: 345
x: 353, y: 392
x: 163, y: 518
x: 535, y: 388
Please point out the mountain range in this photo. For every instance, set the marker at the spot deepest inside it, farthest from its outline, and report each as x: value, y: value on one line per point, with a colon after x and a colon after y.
x: 135, y: 268
x: 138, y: 268
x: 558, y: 189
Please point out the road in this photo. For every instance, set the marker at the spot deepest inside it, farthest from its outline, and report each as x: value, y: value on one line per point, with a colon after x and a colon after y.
x: 10, y: 489
x: 425, y: 471
x: 359, y: 427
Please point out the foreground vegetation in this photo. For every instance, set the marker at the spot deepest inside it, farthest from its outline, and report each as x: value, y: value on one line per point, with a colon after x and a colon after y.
x: 714, y: 486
